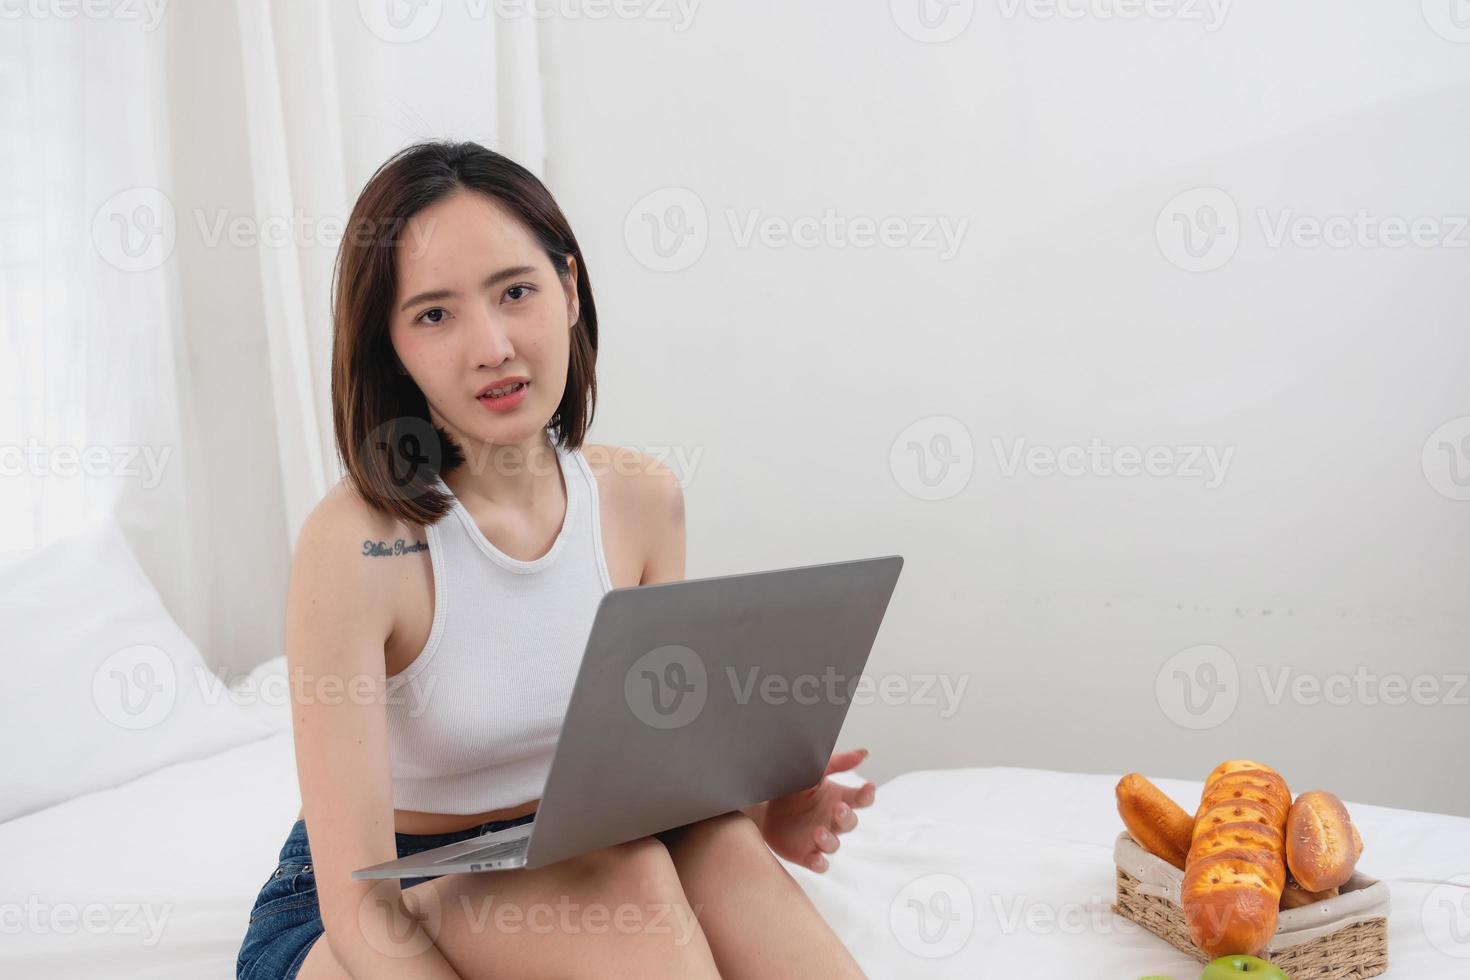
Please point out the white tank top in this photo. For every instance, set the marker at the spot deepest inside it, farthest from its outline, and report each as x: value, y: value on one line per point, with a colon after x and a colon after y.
x: 473, y: 720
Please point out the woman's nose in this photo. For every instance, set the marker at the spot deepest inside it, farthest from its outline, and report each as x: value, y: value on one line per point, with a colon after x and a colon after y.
x: 492, y: 341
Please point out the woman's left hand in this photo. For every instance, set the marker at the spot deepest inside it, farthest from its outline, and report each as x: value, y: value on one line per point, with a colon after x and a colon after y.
x: 802, y: 827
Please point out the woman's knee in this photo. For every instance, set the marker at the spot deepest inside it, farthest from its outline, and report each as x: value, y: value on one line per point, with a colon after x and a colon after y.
x: 735, y: 829
x: 648, y: 870
x: 636, y: 870
x: 729, y: 837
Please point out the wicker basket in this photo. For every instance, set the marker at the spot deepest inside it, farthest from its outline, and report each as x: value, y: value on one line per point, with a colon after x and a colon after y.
x: 1343, y: 938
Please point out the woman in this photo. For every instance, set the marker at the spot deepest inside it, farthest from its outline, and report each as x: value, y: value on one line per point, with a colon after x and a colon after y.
x: 440, y: 597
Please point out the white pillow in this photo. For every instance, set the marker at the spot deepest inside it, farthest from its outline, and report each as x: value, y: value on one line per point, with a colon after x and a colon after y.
x: 99, y: 684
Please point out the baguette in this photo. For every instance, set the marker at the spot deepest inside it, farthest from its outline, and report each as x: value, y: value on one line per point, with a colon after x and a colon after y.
x: 1235, y: 871
x: 1157, y: 823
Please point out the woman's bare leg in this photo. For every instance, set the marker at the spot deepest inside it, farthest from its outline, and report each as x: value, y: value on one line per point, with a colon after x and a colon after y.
x: 759, y: 922
x: 618, y: 912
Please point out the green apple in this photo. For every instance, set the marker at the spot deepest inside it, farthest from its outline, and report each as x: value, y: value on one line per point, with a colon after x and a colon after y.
x: 1233, y: 967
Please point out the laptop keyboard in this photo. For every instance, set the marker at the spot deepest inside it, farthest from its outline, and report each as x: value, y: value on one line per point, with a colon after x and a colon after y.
x: 490, y: 852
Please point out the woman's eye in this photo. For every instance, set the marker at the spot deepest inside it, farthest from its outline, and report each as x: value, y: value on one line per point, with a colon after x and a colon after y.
x: 435, y: 315
x: 523, y: 290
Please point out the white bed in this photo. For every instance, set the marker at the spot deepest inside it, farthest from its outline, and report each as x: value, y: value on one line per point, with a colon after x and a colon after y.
x: 192, y: 843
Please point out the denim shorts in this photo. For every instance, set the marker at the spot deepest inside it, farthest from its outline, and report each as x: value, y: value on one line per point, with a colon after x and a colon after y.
x: 285, y: 919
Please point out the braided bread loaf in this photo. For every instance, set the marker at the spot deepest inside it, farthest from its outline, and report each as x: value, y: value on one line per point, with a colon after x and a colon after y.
x: 1235, y: 871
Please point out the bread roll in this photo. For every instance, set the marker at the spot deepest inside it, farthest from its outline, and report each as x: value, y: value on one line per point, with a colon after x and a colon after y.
x: 1320, y: 849
x: 1159, y: 825
x: 1235, y: 872
x: 1295, y: 896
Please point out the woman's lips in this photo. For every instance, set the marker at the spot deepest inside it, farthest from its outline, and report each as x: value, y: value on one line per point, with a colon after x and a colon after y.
x: 506, y: 402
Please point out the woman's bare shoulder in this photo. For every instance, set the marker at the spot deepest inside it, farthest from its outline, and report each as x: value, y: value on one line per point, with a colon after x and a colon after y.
x: 637, y: 481
x: 342, y: 599
x: 343, y: 529
x: 627, y: 466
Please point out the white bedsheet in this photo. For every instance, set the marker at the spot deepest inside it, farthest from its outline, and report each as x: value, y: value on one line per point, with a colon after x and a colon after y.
x: 171, y: 862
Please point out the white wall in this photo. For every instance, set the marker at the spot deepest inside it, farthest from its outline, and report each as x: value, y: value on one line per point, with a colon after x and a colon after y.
x: 786, y: 373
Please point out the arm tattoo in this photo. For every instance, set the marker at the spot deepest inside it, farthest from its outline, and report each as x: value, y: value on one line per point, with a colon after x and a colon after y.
x: 382, y: 549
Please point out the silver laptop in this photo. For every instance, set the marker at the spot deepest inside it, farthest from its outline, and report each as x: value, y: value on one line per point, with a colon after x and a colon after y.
x: 694, y: 698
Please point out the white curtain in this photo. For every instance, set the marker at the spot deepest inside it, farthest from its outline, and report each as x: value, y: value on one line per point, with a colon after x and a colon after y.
x: 90, y: 338
x: 331, y: 90
x: 119, y: 140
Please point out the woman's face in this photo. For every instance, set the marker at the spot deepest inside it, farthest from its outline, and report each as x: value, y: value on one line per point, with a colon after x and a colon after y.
x: 479, y: 303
